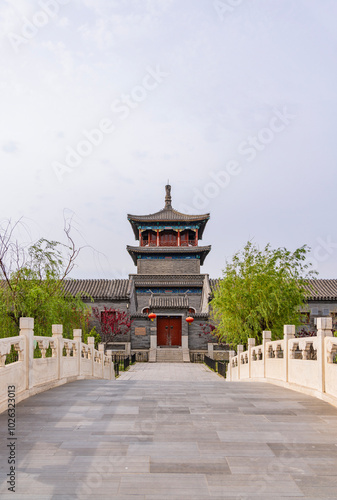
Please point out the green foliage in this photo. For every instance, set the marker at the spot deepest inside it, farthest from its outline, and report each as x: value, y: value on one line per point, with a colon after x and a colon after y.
x: 36, y: 289
x: 92, y: 333
x: 260, y: 290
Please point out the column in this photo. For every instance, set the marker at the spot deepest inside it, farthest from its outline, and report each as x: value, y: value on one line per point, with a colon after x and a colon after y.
x: 101, y: 354
x: 324, y: 329
x: 266, y: 336
x: 57, y: 334
x: 153, y: 344
x: 240, y: 351
x: 27, y: 331
x: 210, y: 348
x: 91, y: 344
x: 157, y: 237
x: 77, y: 334
x: 112, y: 367
x: 288, y: 333
x: 251, y: 344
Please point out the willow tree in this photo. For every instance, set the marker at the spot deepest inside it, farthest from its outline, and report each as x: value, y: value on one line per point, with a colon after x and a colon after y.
x: 260, y: 290
x: 32, y: 279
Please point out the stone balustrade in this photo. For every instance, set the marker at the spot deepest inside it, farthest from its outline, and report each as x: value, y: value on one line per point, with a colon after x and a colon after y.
x: 304, y: 364
x: 69, y: 360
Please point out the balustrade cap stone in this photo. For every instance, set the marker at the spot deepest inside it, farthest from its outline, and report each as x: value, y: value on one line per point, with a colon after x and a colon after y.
x: 57, y: 329
x: 324, y: 323
x: 251, y: 342
x: 26, y: 323
x: 240, y: 348
x: 289, y: 330
x: 77, y: 334
x: 91, y: 340
x: 266, y: 335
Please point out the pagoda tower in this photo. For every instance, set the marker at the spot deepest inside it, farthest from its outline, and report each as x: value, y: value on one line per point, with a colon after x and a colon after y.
x: 168, y: 241
x: 168, y: 282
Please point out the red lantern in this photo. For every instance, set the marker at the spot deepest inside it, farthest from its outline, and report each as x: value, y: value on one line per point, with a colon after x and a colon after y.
x: 152, y: 316
x: 189, y: 319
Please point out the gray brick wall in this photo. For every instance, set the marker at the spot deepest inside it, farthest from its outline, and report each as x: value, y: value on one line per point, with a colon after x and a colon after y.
x: 197, y: 340
x: 140, y: 341
x: 120, y: 305
x: 168, y: 266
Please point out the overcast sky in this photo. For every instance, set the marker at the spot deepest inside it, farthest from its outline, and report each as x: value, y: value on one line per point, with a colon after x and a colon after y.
x: 103, y: 101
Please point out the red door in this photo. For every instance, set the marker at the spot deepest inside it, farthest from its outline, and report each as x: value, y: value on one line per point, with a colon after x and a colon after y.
x: 168, y: 331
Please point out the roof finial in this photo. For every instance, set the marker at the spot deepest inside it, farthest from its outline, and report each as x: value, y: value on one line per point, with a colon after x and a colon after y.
x: 168, y: 198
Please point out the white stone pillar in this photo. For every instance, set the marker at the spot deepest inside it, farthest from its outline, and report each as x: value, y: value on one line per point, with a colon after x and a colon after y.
x: 186, y: 351
x: 112, y: 368
x: 231, y: 355
x: 210, y: 348
x: 153, y: 344
x: 288, y: 333
x: 324, y: 329
x: 77, y: 334
x: 128, y: 348
x: 27, y: 331
x: 101, y: 353
x: 91, y: 345
x: 240, y: 351
x: 266, y: 336
x: 251, y: 343
x: 57, y: 334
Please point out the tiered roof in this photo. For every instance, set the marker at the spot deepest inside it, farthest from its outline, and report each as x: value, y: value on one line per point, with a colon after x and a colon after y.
x: 202, y: 251
x: 169, y: 215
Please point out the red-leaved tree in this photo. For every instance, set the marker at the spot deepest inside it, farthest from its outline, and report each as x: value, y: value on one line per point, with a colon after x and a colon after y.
x: 112, y: 322
x: 209, y: 329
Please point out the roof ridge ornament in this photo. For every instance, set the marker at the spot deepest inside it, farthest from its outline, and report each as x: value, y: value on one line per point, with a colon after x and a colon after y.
x: 168, y: 199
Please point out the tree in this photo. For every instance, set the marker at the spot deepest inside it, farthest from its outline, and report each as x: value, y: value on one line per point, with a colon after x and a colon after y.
x: 32, y: 283
x: 260, y: 290
x: 113, y: 322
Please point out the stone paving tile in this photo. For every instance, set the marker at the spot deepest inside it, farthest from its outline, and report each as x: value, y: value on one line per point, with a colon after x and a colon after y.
x: 172, y: 431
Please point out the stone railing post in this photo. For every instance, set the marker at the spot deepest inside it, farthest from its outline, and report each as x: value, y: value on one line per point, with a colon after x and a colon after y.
x: 112, y: 368
x: 240, y: 351
x: 231, y: 355
x: 210, y: 350
x: 251, y: 343
x: 324, y: 329
x: 266, y: 336
x: 91, y: 345
x: 101, y: 353
x: 77, y: 334
x: 288, y: 333
x: 128, y: 348
x: 57, y: 334
x: 27, y: 331
x: 153, y: 344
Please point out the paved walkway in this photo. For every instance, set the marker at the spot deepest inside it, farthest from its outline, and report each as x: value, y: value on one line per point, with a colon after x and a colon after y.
x: 172, y: 432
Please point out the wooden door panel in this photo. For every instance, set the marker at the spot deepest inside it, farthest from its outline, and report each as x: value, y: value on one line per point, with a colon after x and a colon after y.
x: 175, y: 331
x: 168, y: 331
x: 162, y: 331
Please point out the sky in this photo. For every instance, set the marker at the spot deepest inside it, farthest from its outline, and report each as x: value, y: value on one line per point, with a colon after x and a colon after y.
x: 232, y: 101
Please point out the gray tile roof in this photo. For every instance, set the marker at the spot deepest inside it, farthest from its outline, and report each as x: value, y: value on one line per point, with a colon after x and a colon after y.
x: 168, y: 215
x: 168, y: 302
x: 321, y: 289
x: 317, y: 289
x: 99, y: 289
x: 134, y: 251
x: 168, y: 280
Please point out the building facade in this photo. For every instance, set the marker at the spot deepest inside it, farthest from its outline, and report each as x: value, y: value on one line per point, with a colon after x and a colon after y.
x: 168, y: 283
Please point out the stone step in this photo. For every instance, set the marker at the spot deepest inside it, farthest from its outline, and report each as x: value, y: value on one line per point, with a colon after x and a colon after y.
x: 170, y: 356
